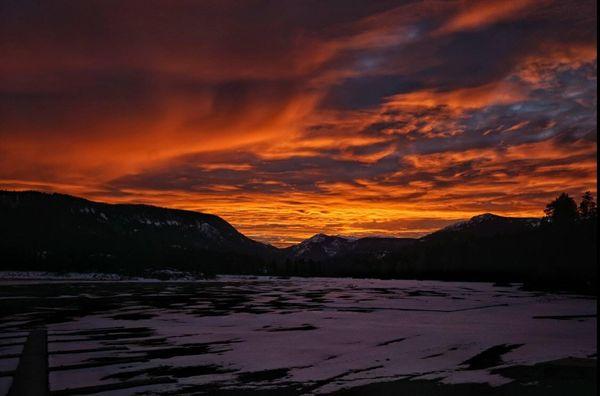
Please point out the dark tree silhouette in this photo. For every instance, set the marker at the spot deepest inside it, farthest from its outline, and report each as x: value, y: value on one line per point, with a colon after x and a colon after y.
x: 587, y: 207
x: 562, y: 210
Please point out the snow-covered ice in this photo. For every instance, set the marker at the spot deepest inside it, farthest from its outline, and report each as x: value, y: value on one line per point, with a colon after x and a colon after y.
x: 263, y: 331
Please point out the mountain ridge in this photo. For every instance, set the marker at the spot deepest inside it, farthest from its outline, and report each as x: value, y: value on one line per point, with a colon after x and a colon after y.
x: 317, y: 238
x: 58, y: 232
x: 75, y: 229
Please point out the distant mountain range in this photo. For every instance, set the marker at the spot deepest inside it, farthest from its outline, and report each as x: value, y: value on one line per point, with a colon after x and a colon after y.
x: 48, y: 222
x: 323, y: 247
x: 56, y: 232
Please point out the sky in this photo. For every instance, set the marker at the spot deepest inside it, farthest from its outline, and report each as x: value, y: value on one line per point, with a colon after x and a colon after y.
x: 293, y: 117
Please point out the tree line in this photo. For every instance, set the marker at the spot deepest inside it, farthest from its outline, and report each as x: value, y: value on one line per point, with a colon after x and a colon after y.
x: 564, y: 209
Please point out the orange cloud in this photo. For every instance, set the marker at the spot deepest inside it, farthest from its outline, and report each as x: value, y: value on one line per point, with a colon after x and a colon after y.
x: 291, y: 118
x: 485, y: 95
x: 481, y: 13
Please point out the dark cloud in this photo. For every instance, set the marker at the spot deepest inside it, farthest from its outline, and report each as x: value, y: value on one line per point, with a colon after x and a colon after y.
x: 364, y: 92
x: 249, y: 173
x: 60, y: 101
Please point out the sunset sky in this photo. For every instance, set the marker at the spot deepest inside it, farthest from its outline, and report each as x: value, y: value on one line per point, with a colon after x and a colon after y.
x: 292, y: 117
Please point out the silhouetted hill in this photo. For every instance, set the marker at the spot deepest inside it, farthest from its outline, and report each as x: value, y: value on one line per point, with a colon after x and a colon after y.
x: 486, y: 248
x: 61, y: 232
x: 494, y: 248
x: 486, y: 224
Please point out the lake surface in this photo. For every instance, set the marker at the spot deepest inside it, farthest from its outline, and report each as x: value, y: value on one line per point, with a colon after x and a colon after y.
x: 293, y: 336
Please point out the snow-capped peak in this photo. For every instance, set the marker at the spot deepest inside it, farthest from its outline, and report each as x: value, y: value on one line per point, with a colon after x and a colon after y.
x: 483, y: 217
x: 490, y: 219
x: 317, y: 238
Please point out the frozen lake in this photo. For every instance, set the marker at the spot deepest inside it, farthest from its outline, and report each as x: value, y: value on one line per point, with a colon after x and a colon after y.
x: 295, y: 336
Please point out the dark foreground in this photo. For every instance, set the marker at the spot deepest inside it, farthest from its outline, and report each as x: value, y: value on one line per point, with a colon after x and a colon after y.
x: 302, y: 336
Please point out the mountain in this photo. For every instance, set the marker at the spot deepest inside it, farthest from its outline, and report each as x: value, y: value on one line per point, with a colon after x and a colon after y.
x: 486, y: 225
x: 318, y: 248
x: 327, y: 248
x: 322, y: 248
x: 61, y: 231
x: 486, y: 247
x: 56, y: 231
